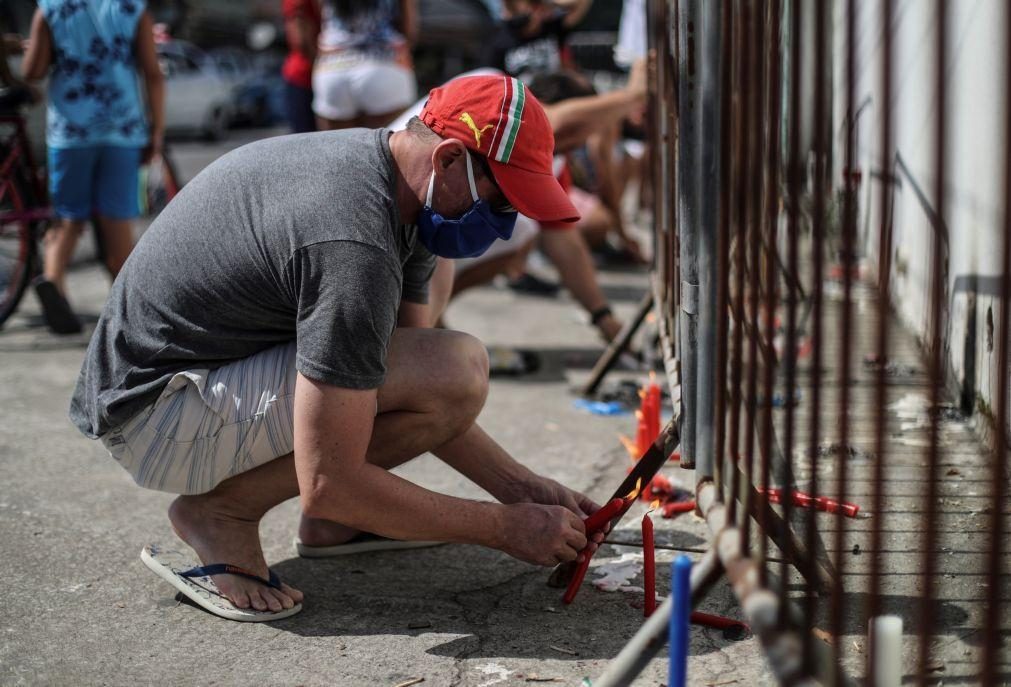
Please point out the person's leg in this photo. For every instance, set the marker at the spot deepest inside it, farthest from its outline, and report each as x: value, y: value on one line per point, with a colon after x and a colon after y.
x: 116, y: 183
x: 117, y: 239
x: 58, y: 248
x: 71, y: 173
x: 421, y: 407
x: 567, y: 250
x: 298, y: 108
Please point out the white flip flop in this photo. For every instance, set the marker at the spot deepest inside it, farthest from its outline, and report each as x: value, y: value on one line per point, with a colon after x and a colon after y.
x: 362, y: 542
x: 195, y: 583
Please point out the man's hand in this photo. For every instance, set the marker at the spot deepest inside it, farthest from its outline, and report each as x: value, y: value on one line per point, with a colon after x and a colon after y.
x: 548, y: 492
x: 543, y: 534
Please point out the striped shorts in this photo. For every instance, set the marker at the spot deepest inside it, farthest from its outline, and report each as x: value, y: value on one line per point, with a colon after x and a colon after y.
x: 209, y: 425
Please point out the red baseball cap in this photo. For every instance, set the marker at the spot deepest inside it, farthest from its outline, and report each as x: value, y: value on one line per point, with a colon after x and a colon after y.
x: 497, y: 117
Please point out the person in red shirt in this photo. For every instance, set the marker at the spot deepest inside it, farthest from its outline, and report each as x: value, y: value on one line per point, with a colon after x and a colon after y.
x: 302, y: 20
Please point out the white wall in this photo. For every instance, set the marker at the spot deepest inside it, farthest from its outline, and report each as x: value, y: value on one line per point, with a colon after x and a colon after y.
x: 974, y: 198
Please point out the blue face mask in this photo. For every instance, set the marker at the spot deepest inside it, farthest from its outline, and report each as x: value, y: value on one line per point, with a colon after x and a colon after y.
x: 470, y: 235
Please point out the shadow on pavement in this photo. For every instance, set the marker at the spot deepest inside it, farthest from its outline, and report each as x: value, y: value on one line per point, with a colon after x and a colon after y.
x: 483, y: 602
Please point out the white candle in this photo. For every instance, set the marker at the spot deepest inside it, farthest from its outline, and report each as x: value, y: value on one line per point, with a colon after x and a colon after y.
x: 886, y: 641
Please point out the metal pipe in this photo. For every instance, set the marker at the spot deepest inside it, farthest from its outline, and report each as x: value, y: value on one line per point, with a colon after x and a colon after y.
x: 708, y: 217
x: 652, y: 636
x: 817, y: 269
x: 992, y: 643
x: 874, y: 605
x: 935, y: 370
x: 761, y: 605
x: 689, y: 127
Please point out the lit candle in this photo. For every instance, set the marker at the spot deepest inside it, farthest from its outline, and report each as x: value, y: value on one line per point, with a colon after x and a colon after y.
x: 681, y: 571
x: 642, y: 440
x: 648, y: 565
x: 886, y: 650
x: 653, y: 407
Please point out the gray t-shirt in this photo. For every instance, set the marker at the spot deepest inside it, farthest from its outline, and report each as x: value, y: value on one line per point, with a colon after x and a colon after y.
x: 296, y: 237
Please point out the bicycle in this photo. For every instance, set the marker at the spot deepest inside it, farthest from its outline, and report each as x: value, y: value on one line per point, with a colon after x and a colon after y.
x: 25, y: 213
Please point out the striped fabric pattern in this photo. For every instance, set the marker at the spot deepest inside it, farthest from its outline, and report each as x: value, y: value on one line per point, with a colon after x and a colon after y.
x: 509, y: 121
x: 208, y: 426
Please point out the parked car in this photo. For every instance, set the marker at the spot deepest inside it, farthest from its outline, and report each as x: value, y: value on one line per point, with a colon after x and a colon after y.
x: 199, y: 96
x: 258, y: 94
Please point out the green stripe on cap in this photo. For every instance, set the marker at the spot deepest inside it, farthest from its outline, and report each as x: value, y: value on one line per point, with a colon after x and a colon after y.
x: 513, y: 122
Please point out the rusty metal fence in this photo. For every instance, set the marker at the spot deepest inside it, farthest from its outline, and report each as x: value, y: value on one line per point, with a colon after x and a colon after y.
x: 782, y: 351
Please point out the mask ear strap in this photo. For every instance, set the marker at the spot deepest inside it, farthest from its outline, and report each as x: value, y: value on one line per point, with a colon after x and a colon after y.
x: 431, y: 187
x: 470, y: 178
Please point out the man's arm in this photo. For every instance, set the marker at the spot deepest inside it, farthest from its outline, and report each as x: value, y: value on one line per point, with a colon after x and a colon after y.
x: 576, y: 119
x: 39, y: 55
x: 575, y: 10
x: 300, y: 34
x: 154, y: 83
x: 333, y: 427
x: 414, y: 315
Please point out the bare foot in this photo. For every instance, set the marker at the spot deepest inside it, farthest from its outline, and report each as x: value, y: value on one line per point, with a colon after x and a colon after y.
x: 219, y: 537
x: 315, y: 532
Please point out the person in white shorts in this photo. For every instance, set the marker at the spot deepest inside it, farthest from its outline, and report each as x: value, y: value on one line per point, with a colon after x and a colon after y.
x: 363, y: 74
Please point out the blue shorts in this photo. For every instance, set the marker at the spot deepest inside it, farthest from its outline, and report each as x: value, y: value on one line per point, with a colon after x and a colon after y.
x: 102, y: 179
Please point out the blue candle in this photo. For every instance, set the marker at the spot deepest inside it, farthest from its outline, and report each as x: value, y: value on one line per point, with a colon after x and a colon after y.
x: 681, y: 591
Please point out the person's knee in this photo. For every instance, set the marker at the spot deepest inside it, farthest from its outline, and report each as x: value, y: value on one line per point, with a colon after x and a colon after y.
x: 467, y: 381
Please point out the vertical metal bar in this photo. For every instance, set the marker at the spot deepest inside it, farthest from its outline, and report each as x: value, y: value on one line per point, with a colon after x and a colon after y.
x: 928, y: 610
x: 772, y: 161
x: 689, y: 159
x: 992, y: 643
x: 723, y: 247
x: 753, y: 175
x: 817, y: 271
x: 740, y: 216
x: 846, y: 327
x: 874, y: 607
x: 709, y: 166
x: 789, y: 356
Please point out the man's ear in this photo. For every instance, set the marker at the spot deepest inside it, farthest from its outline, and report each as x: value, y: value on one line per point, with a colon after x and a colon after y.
x: 446, y: 153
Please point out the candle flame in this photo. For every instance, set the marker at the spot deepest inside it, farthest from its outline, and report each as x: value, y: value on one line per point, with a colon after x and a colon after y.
x: 632, y: 495
x: 653, y: 505
x: 652, y: 377
x: 642, y: 393
x: 633, y: 450
x: 638, y: 415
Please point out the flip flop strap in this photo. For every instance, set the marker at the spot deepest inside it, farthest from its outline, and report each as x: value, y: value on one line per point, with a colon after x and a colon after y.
x: 226, y: 569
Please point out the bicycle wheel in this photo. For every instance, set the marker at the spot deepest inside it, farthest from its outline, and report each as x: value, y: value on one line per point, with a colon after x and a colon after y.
x: 17, y: 252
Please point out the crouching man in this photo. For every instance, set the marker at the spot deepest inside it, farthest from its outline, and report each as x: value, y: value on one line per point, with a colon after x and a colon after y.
x: 265, y: 341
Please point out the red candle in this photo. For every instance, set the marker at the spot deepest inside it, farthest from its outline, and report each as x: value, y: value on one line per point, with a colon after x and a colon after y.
x: 648, y: 567
x: 602, y: 517
x: 673, y: 508
x: 577, y: 579
x: 642, y: 440
x: 653, y: 408
x: 716, y: 621
x: 823, y: 503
